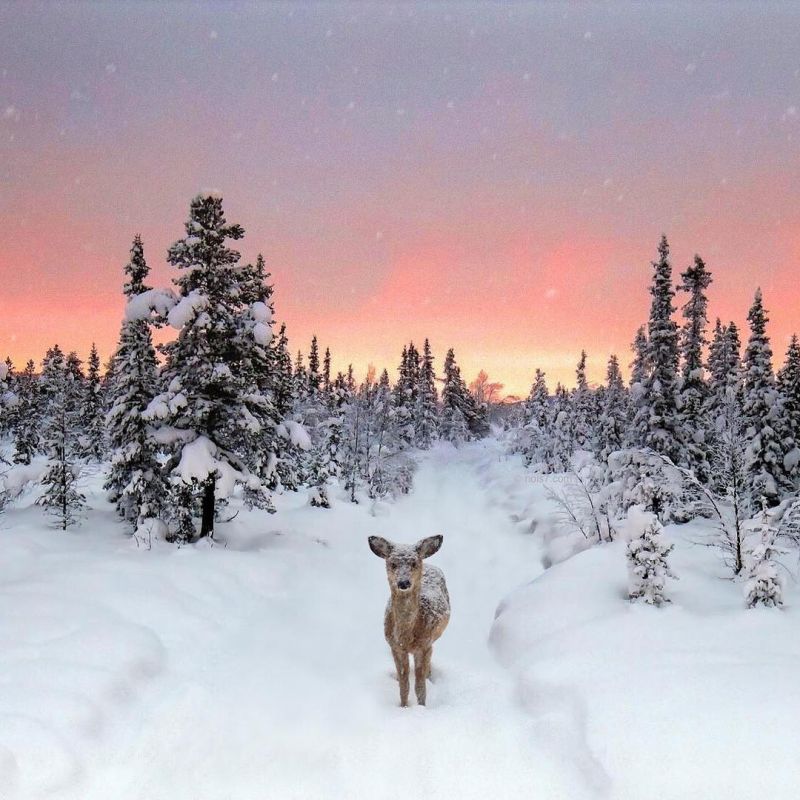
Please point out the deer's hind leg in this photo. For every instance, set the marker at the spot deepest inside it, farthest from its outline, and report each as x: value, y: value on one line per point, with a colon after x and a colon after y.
x: 401, y: 663
x: 422, y: 665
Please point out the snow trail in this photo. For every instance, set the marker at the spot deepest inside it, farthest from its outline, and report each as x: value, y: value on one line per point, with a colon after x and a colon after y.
x: 271, y: 678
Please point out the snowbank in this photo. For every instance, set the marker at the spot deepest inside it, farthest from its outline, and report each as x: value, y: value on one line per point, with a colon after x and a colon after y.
x: 698, y: 699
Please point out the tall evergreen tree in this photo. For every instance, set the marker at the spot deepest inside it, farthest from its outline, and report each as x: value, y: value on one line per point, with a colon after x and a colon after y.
x: 256, y: 357
x: 563, y: 435
x: 134, y: 482
x: 763, y: 410
x: 404, y: 395
x: 300, y: 377
x: 314, y: 376
x: 582, y: 410
x: 638, y: 412
x: 8, y: 397
x: 326, y: 372
x: 426, y: 416
x: 92, y: 417
x: 692, y: 398
x: 537, y: 423
x: 283, y: 387
x: 658, y: 413
x: 789, y: 385
x: 210, y: 408
x: 725, y: 371
x: 613, y: 411
x: 27, y: 419
x: 287, y: 472
x: 538, y: 402
x: 61, y: 497
x: 51, y: 383
x: 454, y: 424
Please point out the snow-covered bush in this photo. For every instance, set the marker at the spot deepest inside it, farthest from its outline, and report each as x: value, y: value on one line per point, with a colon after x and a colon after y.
x: 764, y: 585
x: 639, y: 477
x: 61, y: 497
x: 582, y: 500
x: 647, y: 554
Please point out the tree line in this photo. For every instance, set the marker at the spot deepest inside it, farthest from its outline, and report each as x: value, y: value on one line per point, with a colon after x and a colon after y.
x: 703, y: 427
x: 223, y: 406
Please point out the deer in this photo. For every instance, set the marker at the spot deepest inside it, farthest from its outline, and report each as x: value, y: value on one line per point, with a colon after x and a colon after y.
x: 418, y: 609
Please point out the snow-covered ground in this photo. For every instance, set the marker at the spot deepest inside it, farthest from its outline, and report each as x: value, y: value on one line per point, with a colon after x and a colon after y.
x: 259, y: 670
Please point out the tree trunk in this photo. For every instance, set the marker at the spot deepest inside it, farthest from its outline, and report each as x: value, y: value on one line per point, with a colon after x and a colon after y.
x: 207, y: 523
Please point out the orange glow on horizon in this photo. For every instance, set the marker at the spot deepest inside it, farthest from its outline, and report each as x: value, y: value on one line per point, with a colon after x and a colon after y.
x: 539, y: 310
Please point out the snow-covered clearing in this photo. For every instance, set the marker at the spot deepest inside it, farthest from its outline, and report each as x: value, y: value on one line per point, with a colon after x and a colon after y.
x: 259, y: 670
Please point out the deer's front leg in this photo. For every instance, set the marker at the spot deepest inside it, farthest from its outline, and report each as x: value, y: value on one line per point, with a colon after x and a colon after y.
x: 422, y: 661
x: 401, y: 662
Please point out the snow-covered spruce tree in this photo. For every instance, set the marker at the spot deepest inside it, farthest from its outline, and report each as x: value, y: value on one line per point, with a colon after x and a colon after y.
x: 74, y: 367
x: 314, y: 411
x: 314, y: 375
x: 405, y: 395
x: 613, y: 411
x: 657, y: 412
x: 725, y: 398
x: 537, y: 405
x: 288, y: 466
x: 648, y: 558
x: 257, y: 360
x: 763, y: 415
x: 282, y: 379
x: 582, y: 408
x: 210, y: 410
x: 562, y: 435
x: 92, y: 417
x: 535, y: 442
x: 725, y: 370
x: 426, y: 414
x: 693, y: 393
x: 60, y: 496
x: 789, y: 386
x: 764, y: 586
x: 134, y: 480
x: 26, y: 416
x: 326, y: 372
x: 454, y: 424
x: 638, y: 414
x: 327, y: 454
x: 300, y: 377
x: 8, y: 397
x: 51, y: 382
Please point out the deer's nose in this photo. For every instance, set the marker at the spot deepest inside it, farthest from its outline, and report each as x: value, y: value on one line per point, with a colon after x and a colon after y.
x: 404, y: 584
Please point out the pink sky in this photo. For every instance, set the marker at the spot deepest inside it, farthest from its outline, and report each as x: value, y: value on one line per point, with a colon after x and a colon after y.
x: 495, y: 178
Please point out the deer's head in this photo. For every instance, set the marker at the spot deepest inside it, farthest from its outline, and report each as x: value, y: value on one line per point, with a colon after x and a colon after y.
x: 404, y: 561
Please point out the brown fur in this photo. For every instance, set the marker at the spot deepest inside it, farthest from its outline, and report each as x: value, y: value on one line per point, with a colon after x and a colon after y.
x: 418, y: 609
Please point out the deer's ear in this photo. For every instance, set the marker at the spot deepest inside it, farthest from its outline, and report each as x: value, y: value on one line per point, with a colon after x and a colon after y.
x: 380, y: 546
x: 427, y: 547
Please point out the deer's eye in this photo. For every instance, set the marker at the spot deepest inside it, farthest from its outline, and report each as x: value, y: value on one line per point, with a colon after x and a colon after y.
x: 393, y: 564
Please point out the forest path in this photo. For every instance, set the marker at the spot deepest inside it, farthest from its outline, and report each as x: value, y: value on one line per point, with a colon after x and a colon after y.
x: 277, y: 680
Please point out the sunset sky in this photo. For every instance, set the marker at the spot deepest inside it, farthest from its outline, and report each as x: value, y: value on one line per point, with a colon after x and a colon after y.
x: 493, y: 176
